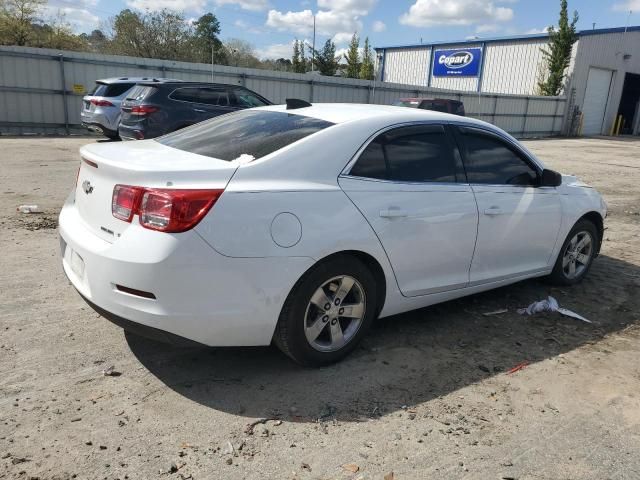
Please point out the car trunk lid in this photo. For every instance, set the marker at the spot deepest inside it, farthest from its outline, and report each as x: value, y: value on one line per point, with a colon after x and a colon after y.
x: 146, y: 164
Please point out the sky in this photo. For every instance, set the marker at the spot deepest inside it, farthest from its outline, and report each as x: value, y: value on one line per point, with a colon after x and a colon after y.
x: 272, y: 25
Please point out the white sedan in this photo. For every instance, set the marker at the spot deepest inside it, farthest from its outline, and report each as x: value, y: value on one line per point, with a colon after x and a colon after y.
x: 301, y: 224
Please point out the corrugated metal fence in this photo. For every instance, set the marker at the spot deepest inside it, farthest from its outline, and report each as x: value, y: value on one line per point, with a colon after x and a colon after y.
x: 41, y: 90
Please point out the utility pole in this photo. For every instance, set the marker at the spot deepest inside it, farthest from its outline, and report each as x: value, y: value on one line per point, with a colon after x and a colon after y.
x: 313, y: 50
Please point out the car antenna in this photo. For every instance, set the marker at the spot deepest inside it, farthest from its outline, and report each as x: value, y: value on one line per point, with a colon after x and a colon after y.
x: 293, y: 103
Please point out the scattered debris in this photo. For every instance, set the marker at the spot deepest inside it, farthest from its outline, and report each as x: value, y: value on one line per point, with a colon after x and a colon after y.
x: 518, y: 367
x: 351, y: 467
x: 250, y: 426
x: 29, y: 209
x: 389, y: 476
x: 305, y: 466
x: 484, y: 368
x: 111, y: 372
x: 229, y: 450
x: 550, y: 305
x: 496, y: 312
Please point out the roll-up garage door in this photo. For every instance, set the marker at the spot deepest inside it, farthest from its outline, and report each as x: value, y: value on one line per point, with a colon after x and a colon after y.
x: 595, y: 100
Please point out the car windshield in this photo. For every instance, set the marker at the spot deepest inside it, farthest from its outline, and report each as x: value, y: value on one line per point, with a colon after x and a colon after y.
x: 248, y: 133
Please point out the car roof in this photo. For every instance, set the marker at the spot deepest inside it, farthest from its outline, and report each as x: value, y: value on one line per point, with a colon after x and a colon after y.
x: 108, y: 81
x: 193, y: 84
x: 347, y: 112
x: 415, y: 99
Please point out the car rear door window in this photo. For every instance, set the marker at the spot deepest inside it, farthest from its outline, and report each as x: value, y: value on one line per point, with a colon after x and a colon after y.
x: 212, y: 96
x: 490, y: 160
x: 186, y: 94
x: 246, y: 132
x: 371, y: 163
x: 409, y: 154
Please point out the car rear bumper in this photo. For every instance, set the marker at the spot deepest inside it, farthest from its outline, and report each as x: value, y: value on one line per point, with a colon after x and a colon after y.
x: 200, y: 295
x: 100, y: 119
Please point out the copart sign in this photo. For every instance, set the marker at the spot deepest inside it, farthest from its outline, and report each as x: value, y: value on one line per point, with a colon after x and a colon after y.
x: 457, y: 63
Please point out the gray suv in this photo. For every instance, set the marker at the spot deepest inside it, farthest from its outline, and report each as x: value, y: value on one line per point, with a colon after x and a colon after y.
x: 101, y: 107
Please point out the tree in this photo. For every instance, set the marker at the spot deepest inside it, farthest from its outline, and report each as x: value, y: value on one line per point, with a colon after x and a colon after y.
x: 241, y: 53
x: 163, y: 34
x: 366, y: 68
x: 295, y: 58
x: 325, y: 60
x: 205, y: 40
x: 57, y: 33
x: 352, y: 58
x: 558, y: 56
x: 16, y: 20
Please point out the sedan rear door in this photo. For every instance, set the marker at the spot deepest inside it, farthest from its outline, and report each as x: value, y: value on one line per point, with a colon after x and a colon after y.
x: 519, y: 220
x: 409, y: 184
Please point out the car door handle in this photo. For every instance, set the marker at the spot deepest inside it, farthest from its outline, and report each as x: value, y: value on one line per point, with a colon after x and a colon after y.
x: 199, y: 111
x: 493, y: 211
x: 393, y: 213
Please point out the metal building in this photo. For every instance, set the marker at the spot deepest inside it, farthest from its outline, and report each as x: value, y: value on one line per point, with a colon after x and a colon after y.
x: 603, y: 79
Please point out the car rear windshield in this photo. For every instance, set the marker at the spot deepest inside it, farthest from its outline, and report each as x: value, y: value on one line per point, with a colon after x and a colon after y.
x: 406, y: 103
x: 248, y: 132
x: 110, y: 89
x: 139, y: 92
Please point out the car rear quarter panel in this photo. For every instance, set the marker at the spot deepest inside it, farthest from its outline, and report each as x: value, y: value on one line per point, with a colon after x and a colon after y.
x: 301, y: 183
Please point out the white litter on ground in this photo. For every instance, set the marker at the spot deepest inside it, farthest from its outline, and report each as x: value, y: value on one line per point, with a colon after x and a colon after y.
x: 550, y: 305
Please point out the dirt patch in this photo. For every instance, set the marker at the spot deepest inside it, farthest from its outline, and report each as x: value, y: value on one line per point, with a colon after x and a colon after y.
x: 33, y: 221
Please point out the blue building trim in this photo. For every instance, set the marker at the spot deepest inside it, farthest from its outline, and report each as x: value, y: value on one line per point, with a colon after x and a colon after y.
x: 535, y: 36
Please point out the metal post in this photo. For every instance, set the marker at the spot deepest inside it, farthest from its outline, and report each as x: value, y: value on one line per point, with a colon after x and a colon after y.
x: 555, y: 116
x: 432, y: 59
x: 310, y: 91
x: 64, y: 95
x: 211, y: 63
x: 495, y: 108
x: 526, y: 114
x: 481, y: 75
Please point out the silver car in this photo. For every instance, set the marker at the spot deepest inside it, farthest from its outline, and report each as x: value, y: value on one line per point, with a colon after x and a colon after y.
x: 101, y: 107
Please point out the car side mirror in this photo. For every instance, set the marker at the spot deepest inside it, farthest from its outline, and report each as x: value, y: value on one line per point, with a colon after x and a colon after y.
x: 550, y: 178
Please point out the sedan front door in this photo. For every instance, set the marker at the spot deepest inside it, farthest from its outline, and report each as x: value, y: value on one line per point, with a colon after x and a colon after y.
x: 519, y: 220
x: 409, y: 184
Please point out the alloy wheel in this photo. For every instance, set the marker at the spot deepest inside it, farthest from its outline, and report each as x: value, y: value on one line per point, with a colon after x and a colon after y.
x: 335, y: 313
x: 577, y: 255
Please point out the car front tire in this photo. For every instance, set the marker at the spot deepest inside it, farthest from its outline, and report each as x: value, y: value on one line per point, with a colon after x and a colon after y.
x: 576, y: 255
x: 328, y: 312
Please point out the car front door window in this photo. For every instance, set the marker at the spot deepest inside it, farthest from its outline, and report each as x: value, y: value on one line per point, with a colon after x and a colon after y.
x: 490, y: 161
x: 518, y: 220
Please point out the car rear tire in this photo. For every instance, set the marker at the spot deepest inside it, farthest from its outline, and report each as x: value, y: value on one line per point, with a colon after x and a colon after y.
x: 576, y: 255
x: 328, y: 311
x: 111, y: 136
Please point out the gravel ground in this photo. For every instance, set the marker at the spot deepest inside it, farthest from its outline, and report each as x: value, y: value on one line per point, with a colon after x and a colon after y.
x: 427, y: 396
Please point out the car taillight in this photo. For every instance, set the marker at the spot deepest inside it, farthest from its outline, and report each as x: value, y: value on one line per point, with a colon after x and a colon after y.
x: 125, y: 201
x: 101, y: 103
x: 165, y: 210
x: 143, y: 109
